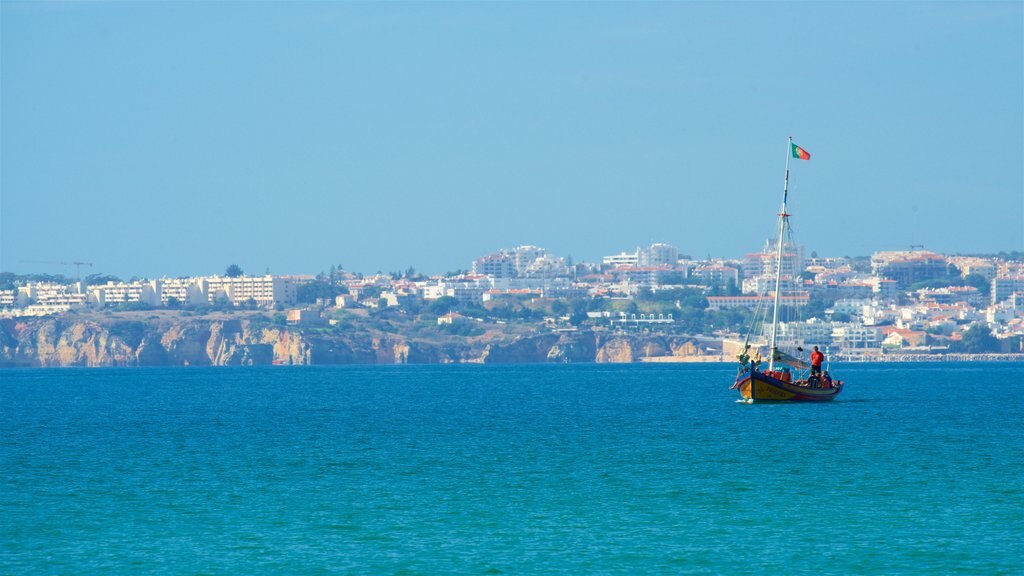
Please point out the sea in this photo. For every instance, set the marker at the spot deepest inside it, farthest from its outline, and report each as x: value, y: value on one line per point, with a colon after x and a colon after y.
x: 516, y: 469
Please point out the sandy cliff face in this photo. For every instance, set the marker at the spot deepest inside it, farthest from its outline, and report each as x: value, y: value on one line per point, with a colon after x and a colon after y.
x: 203, y: 342
x: 62, y: 343
x: 68, y: 342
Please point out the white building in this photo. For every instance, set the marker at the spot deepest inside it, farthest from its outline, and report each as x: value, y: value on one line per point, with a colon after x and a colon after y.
x: 546, y: 267
x: 968, y: 265
x: 53, y: 295
x: 181, y: 292
x: 524, y: 256
x: 1004, y: 286
x: 851, y: 306
x: 752, y: 302
x: 8, y: 298
x: 763, y: 284
x: 765, y: 263
x: 622, y: 259
x: 854, y: 336
x: 497, y: 265
x: 142, y: 291
x: 716, y: 274
x: 265, y: 291
x: 659, y: 254
x: 813, y: 332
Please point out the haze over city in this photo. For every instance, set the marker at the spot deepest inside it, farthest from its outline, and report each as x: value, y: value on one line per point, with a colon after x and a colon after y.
x: 176, y: 138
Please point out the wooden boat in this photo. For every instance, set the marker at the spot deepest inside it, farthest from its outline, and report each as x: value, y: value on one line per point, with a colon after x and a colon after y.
x: 757, y: 386
x: 779, y: 385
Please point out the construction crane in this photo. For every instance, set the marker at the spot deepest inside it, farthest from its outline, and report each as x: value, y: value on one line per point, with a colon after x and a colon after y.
x: 914, y: 247
x: 77, y: 264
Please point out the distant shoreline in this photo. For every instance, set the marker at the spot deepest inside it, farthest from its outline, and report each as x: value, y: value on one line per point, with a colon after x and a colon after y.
x: 147, y: 338
x: 989, y: 357
x: 902, y: 359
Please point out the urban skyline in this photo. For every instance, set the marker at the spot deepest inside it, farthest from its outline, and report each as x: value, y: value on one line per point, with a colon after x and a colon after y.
x: 74, y: 269
x: 917, y: 302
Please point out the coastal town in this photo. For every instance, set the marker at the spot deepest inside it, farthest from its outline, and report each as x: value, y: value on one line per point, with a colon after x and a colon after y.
x: 910, y: 304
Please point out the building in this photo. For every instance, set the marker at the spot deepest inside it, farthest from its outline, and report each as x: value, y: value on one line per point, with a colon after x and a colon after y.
x: 1005, y: 286
x: 52, y: 295
x: 968, y: 265
x: 181, y: 292
x: 622, y: 259
x: 951, y: 294
x: 849, y: 289
x: 641, y: 275
x: 141, y: 292
x: 853, y: 336
x: 886, y: 289
x: 762, y: 284
x: 716, y: 274
x: 909, y: 267
x: 903, y: 338
x: 546, y: 266
x: 450, y: 319
x: 827, y: 263
x: 469, y: 289
x: 765, y: 263
x: 497, y: 265
x: 524, y: 256
x: 42, y: 299
x: 751, y: 302
x: 345, y: 301
x: 264, y: 291
x: 302, y: 317
x: 812, y: 332
x: 519, y: 262
x: 851, y: 306
x: 658, y: 254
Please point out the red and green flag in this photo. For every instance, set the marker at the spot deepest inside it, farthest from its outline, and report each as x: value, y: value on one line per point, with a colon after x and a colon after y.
x: 800, y: 153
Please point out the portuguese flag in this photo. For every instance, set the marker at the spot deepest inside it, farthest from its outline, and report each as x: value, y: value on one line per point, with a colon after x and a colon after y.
x: 800, y: 153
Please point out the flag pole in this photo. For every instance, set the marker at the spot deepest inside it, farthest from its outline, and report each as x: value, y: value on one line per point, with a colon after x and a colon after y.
x: 778, y: 260
x: 785, y: 183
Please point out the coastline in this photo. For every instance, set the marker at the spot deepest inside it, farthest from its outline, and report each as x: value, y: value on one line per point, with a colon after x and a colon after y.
x: 146, y: 339
x: 951, y: 357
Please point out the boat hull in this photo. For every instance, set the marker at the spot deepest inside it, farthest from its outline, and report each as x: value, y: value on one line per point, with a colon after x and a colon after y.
x: 759, y: 387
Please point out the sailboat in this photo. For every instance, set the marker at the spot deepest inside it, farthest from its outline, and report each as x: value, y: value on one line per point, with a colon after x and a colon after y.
x: 777, y: 383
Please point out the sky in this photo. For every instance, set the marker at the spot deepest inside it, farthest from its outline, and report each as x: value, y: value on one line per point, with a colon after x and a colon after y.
x: 175, y: 138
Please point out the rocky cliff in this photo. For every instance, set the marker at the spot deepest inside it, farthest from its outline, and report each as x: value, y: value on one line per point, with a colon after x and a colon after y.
x: 69, y: 341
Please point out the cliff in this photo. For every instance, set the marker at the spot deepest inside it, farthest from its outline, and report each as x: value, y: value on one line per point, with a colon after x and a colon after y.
x: 184, y: 341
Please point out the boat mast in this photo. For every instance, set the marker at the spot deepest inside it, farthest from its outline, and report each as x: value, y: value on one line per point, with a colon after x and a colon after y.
x: 783, y: 220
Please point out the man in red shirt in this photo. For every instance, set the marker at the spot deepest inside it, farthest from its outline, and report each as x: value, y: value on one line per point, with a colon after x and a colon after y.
x: 816, y: 359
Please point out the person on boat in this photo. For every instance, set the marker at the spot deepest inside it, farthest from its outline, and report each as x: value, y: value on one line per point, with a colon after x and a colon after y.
x: 816, y: 359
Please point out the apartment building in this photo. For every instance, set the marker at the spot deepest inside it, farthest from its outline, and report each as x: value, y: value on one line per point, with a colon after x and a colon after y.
x: 726, y: 302
x: 622, y: 259
x: 143, y: 291
x: 908, y: 267
x: 657, y: 254
x: 716, y: 274
x: 1005, y: 286
x: 813, y: 332
x: 854, y: 336
x: 968, y: 265
x: 497, y: 265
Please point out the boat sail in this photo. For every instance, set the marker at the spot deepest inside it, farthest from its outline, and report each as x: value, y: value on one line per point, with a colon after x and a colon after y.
x: 780, y: 385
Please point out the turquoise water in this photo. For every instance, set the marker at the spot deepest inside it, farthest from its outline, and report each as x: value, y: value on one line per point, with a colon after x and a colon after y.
x: 592, y: 469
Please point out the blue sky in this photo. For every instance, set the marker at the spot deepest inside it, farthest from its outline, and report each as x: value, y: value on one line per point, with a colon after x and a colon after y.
x: 176, y: 138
